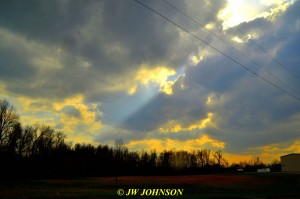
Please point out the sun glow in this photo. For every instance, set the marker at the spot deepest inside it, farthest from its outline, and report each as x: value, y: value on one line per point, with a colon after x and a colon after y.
x: 237, y: 12
x: 148, y: 76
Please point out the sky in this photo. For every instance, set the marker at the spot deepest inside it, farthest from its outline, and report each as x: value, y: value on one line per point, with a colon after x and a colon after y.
x: 102, y: 70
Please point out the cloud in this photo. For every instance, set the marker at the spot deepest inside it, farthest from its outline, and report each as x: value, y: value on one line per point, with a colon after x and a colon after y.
x: 103, y: 49
x: 115, y: 69
x: 158, y: 75
x: 237, y: 12
x: 160, y: 145
x: 172, y: 127
x: 247, y: 110
x: 77, y: 116
x: 71, y: 111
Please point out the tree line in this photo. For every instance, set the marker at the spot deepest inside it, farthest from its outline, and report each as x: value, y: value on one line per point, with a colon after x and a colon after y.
x: 41, y: 151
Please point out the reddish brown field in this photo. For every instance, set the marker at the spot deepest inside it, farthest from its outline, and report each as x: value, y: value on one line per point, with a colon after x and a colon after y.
x: 208, y: 180
x: 195, y: 186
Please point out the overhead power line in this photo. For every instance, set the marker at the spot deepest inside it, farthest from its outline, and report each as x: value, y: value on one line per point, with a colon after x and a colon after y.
x: 230, y: 45
x: 258, y: 46
x: 222, y: 53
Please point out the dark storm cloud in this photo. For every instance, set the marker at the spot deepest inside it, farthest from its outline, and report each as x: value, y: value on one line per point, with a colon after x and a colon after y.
x: 248, y: 111
x: 290, y: 49
x: 14, y: 61
x: 255, y: 113
x: 58, y: 49
x: 47, y: 21
x: 114, y: 37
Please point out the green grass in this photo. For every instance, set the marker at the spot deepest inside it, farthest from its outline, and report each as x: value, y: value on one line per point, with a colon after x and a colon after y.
x: 247, y: 185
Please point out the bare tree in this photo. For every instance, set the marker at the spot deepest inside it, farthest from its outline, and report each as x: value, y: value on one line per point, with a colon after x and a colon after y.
x: 204, y: 157
x: 59, y: 141
x: 119, y: 154
x: 13, y: 139
x: 119, y: 144
x: 26, y: 142
x: 8, y: 120
x: 153, y: 159
x: 180, y: 160
x: 144, y: 159
x: 193, y: 160
x: 218, y: 155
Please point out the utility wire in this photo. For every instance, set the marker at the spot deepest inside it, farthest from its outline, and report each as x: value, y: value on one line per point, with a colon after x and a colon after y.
x: 258, y: 46
x: 224, y: 54
x: 203, y: 27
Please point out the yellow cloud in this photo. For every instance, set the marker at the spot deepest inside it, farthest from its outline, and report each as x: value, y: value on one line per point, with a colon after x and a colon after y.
x: 203, y: 141
x: 29, y: 113
x: 209, y: 100
x: 169, y: 144
x: 80, y: 139
x: 252, y: 35
x: 279, y: 9
x: 270, y: 148
x: 173, y: 127
x: 168, y: 88
x: 235, y: 13
x: 69, y: 124
x: 24, y: 104
x: 271, y: 2
x: 295, y: 147
x: 132, y: 90
x: 158, y: 75
x: 50, y: 113
x: 280, y: 148
x: 198, y: 57
x: 237, y: 39
x: 72, y: 101
x: 210, y: 26
x: 32, y: 119
x: 196, y: 60
x: 273, y: 151
x: 88, y: 116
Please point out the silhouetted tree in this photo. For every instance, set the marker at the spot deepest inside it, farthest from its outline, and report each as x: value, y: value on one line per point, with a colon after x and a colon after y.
x: 8, y: 121
x: 180, y: 160
x: 26, y: 141
x: 203, y: 156
x: 41, y: 151
x: 120, y: 152
x: 218, y: 155
x: 165, y: 161
x: 144, y: 160
x: 104, y: 156
x: 13, y: 139
x: 193, y: 160
x: 153, y: 159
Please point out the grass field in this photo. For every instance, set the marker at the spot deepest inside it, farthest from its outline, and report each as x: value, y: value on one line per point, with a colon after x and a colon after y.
x: 246, y: 185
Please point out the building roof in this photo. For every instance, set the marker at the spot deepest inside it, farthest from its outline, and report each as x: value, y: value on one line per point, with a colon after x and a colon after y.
x: 291, y: 154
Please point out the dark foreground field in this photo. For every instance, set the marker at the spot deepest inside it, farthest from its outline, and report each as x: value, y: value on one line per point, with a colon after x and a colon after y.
x: 247, y: 185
